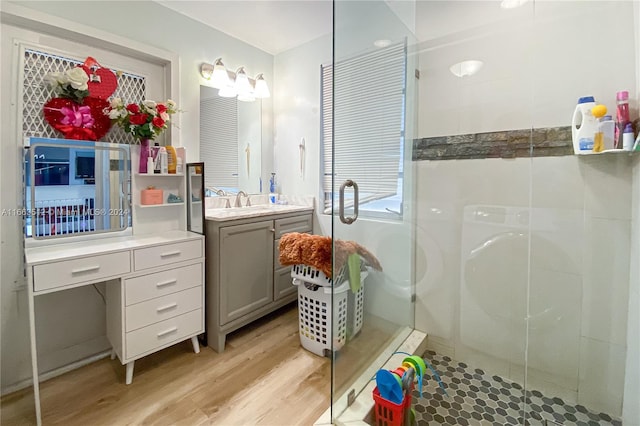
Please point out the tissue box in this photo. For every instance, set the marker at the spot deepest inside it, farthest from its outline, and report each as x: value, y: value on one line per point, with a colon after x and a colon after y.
x: 151, y: 196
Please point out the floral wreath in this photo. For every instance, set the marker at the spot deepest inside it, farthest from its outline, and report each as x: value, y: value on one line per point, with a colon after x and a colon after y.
x: 80, y: 109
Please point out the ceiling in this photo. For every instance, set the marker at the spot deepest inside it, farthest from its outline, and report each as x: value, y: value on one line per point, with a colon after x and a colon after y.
x: 278, y: 25
x: 272, y: 26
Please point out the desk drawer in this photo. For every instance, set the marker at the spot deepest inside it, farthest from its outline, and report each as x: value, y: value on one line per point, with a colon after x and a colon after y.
x: 163, y: 333
x: 170, y: 253
x: 302, y: 223
x: 68, y: 272
x: 158, y: 284
x: 162, y: 308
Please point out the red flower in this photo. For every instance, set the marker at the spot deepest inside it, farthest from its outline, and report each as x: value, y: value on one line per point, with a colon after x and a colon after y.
x: 133, y: 108
x: 161, y: 108
x: 138, y: 119
x: 158, y: 122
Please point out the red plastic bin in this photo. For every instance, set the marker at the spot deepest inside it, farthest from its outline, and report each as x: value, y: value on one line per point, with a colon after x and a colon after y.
x: 388, y: 413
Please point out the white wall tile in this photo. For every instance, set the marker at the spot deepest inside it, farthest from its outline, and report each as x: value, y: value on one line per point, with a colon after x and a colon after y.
x: 607, y: 186
x: 557, y: 183
x: 601, y: 376
x: 606, y: 280
x: 554, y: 326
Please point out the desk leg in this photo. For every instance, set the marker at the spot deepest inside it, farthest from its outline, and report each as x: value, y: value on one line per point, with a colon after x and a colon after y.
x: 196, y: 345
x: 34, y: 352
x: 129, y: 375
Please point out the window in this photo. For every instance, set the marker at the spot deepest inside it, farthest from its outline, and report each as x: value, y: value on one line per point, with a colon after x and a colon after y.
x: 363, y: 107
x: 219, y: 142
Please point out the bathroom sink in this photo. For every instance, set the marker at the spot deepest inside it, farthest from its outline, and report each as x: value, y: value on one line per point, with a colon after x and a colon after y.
x: 252, y: 211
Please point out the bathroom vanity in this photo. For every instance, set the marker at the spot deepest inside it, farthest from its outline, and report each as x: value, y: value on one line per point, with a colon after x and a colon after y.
x: 244, y: 279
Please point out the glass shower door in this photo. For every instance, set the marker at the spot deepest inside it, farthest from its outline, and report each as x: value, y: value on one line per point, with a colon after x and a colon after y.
x: 367, y: 127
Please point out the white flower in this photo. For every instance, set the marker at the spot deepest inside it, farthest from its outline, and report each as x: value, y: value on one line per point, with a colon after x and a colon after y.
x: 149, y: 104
x: 114, y: 114
x: 171, y: 105
x: 54, y: 79
x: 164, y: 116
x: 77, y: 78
x: 116, y: 103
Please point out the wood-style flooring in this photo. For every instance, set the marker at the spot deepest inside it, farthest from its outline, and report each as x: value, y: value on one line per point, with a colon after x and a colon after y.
x: 264, y: 377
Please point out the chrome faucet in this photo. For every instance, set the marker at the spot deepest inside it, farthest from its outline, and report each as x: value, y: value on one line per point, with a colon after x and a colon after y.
x: 238, y: 202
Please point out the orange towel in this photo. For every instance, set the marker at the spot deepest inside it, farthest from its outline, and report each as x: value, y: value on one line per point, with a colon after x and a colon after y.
x: 316, y: 251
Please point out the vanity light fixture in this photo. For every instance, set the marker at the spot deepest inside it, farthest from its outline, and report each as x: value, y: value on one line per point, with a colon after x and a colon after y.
x: 232, y: 84
x: 466, y: 68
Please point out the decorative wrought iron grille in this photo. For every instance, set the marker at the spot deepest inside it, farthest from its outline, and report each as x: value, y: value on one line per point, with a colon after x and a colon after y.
x: 131, y: 88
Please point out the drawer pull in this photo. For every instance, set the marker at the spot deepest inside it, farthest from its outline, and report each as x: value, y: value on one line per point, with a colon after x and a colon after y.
x: 83, y: 270
x: 168, y: 282
x: 170, y: 253
x: 167, y: 307
x: 169, y: 331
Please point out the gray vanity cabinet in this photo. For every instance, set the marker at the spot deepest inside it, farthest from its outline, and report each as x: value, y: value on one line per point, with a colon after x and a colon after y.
x: 246, y: 269
x: 245, y: 280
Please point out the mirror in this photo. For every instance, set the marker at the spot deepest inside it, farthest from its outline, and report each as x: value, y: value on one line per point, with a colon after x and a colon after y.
x: 230, y: 143
x: 195, y: 197
x: 75, y: 188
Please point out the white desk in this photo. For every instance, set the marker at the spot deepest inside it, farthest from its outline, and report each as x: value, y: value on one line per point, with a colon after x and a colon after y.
x: 154, y: 300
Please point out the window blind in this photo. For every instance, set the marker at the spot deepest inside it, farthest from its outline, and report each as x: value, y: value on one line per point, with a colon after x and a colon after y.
x: 368, y: 96
x: 219, y: 142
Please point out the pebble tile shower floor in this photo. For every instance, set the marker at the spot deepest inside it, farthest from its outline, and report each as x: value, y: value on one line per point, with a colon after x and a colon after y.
x: 477, y: 398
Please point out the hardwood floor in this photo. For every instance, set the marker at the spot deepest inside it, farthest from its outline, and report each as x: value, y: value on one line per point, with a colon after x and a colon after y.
x: 264, y: 377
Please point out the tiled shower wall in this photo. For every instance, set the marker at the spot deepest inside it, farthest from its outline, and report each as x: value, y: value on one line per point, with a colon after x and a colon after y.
x: 480, y: 272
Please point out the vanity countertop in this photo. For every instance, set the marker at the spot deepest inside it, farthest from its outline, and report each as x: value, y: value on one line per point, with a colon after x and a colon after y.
x: 224, y: 214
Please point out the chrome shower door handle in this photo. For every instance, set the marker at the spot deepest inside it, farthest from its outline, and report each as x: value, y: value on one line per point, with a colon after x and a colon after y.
x: 348, y: 220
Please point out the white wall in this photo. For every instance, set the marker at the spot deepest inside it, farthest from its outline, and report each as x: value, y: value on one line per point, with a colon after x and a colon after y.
x: 631, y: 406
x: 480, y: 275
x: 154, y: 25
x: 536, y: 67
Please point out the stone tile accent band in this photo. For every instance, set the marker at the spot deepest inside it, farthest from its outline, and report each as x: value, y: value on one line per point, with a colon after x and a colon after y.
x: 543, y: 142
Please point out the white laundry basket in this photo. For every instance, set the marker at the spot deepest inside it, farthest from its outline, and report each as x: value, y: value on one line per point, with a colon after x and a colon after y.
x: 314, y: 310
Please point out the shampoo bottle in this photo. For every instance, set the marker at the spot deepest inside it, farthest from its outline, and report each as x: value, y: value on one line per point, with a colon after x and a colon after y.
x: 171, y: 159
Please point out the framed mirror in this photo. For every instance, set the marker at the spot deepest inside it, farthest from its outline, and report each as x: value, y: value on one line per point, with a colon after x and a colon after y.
x: 230, y: 143
x: 75, y: 188
x: 195, y: 197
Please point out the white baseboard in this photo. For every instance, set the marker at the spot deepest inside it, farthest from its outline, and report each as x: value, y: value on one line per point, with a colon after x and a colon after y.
x: 55, y: 373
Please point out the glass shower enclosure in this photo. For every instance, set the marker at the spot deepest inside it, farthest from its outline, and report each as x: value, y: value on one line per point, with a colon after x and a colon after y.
x: 514, y: 254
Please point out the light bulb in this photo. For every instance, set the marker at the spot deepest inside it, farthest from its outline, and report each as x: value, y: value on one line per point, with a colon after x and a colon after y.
x: 242, y: 86
x: 219, y: 77
x: 261, y: 90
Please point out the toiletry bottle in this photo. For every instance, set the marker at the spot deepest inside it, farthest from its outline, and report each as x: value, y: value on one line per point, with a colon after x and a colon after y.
x: 162, y: 160
x: 583, y: 126
x: 171, y: 159
x: 179, y: 166
x: 150, y: 165
x: 607, y: 126
x: 622, y: 116
x: 154, y: 154
x: 627, y: 137
x: 598, y: 112
x: 273, y: 196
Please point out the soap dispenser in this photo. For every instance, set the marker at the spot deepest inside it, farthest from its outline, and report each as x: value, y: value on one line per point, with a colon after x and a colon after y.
x: 273, y: 196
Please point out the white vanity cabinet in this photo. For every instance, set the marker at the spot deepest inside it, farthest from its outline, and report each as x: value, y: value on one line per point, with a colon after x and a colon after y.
x: 245, y: 280
x: 160, y: 304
